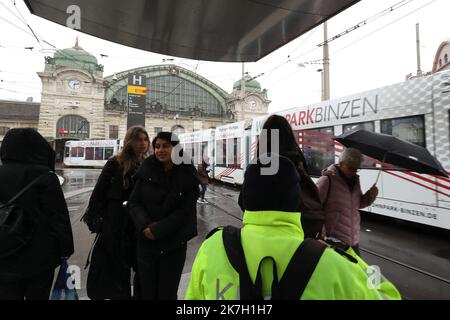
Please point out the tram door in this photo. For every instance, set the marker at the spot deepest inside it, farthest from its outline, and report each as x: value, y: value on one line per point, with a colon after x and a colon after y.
x: 59, y: 149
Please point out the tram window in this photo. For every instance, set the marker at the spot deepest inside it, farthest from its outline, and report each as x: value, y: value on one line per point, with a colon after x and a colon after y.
x: 411, y: 129
x: 318, y: 148
x: 98, y: 153
x: 80, y: 152
x: 89, y: 153
x: 221, y: 152
x: 368, y: 126
x: 66, y: 152
x: 234, y: 147
x: 108, y: 153
x: 73, y: 152
x: 231, y: 151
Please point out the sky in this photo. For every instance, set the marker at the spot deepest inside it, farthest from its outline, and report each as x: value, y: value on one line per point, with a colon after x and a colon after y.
x: 379, y: 53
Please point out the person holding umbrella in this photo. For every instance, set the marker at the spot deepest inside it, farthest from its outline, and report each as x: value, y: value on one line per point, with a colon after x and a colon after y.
x: 340, y: 191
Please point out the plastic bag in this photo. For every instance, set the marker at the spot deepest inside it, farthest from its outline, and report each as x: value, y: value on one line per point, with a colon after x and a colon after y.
x: 63, y: 289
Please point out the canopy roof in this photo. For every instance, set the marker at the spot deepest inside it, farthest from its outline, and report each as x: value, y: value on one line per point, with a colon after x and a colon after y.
x: 214, y: 30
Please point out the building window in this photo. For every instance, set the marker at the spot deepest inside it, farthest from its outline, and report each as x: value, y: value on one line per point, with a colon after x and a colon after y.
x: 113, y: 132
x: 411, y: 129
x: 318, y: 148
x: 440, y: 63
x: 158, y: 130
x: 3, y: 130
x: 446, y: 58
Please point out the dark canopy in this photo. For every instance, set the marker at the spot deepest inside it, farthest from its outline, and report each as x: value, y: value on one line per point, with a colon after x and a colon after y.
x: 215, y: 30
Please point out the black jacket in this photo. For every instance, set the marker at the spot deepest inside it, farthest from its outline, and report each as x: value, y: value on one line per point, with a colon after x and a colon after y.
x: 114, y: 251
x: 25, y: 155
x: 168, y: 201
x: 105, y: 203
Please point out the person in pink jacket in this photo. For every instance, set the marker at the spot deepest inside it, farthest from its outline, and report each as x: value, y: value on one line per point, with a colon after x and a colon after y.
x: 341, y: 194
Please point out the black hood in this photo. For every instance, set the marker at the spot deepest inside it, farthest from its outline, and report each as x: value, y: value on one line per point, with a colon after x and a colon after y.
x: 279, y: 191
x: 26, y: 145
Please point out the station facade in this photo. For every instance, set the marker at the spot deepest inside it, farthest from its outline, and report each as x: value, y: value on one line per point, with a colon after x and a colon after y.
x: 78, y: 102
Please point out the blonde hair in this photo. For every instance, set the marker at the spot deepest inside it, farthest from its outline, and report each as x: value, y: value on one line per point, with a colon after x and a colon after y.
x: 127, y: 158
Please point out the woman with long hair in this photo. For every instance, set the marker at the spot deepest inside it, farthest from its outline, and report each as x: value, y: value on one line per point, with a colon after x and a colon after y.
x: 107, y: 216
x: 164, y: 211
x: 286, y: 145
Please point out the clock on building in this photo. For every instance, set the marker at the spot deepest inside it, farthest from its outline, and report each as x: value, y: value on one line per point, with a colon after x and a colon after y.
x: 252, y: 104
x: 74, y: 84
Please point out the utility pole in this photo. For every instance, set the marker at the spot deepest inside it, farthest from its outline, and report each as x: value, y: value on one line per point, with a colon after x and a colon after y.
x: 419, y: 69
x: 326, y: 66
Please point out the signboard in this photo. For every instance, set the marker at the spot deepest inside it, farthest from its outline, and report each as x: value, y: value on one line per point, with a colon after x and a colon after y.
x: 137, y: 92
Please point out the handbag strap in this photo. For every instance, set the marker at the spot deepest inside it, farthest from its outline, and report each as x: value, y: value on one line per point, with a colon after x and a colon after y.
x: 25, y: 189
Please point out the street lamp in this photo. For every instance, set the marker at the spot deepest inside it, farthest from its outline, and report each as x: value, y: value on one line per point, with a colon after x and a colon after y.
x: 321, y: 84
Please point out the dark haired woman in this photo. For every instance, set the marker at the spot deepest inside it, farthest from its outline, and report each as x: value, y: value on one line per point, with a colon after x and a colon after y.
x: 163, y: 208
x: 113, y: 254
x: 310, y: 205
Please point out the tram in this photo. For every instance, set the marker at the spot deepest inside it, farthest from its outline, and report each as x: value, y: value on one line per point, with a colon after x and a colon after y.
x: 90, y: 153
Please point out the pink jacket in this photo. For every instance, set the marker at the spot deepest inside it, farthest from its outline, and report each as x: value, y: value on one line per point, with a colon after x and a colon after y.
x: 341, y: 206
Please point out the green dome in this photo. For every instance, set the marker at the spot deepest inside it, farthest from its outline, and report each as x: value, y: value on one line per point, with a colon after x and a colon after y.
x: 75, y: 58
x: 250, y: 85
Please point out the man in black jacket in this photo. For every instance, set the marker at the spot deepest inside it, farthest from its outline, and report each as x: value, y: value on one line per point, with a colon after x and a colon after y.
x: 29, y: 272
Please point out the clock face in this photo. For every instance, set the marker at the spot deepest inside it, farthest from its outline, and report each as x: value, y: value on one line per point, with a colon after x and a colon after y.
x: 74, y: 84
x: 252, y: 104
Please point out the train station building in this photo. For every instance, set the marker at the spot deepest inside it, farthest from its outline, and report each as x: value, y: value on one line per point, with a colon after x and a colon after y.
x: 78, y: 102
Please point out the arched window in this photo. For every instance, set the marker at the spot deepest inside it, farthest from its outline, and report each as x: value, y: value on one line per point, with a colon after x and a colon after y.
x: 446, y: 58
x: 440, y: 63
x: 72, y: 127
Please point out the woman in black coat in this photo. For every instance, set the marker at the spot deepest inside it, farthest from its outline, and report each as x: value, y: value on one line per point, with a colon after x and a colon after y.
x: 163, y: 208
x: 311, y: 209
x: 113, y: 254
x: 29, y: 272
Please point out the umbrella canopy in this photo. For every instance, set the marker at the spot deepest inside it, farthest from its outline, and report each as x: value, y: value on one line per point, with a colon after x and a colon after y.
x: 214, y: 30
x: 392, y: 150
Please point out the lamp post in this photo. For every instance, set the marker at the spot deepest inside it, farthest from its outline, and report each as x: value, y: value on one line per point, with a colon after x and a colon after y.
x: 322, y: 91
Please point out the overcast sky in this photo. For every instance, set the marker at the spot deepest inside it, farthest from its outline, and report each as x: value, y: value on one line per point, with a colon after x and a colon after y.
x: 379, y: 53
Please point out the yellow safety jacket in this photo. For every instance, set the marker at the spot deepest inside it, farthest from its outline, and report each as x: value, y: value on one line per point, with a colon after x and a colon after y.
x: 275, y: 234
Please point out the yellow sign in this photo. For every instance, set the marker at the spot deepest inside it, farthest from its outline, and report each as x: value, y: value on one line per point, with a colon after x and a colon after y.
x: 137, y: 90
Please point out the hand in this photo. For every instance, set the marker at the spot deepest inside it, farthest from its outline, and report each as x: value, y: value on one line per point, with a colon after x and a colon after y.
x: 148, y: 233
x: 373, y: 191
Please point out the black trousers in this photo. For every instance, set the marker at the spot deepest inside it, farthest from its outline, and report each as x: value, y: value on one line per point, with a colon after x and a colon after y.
x: 34, y: 288
x: 159, y: 273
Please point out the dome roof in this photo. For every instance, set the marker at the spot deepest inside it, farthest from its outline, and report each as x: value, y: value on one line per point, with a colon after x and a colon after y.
x: 76, y: 58
x: 250, y: 85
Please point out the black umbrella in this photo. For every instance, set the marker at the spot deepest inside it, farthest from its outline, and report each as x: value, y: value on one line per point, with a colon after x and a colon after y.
x: 392, y: 150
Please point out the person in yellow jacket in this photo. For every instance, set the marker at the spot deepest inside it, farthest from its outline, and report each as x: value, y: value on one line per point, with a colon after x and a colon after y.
x: 270, y: 237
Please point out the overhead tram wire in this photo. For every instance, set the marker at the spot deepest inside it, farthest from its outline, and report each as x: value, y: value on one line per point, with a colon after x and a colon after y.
x: 390, y: 23
x: 368, y: 20
x: 364, y: 22
x: 36, y: 35
x: 25, y: 22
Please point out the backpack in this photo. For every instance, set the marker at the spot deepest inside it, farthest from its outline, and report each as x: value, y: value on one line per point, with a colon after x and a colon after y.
x: 295, y: 278
x: 16, y: 229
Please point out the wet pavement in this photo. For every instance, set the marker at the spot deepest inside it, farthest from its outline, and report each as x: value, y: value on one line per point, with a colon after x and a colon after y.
x: 416, y: 260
